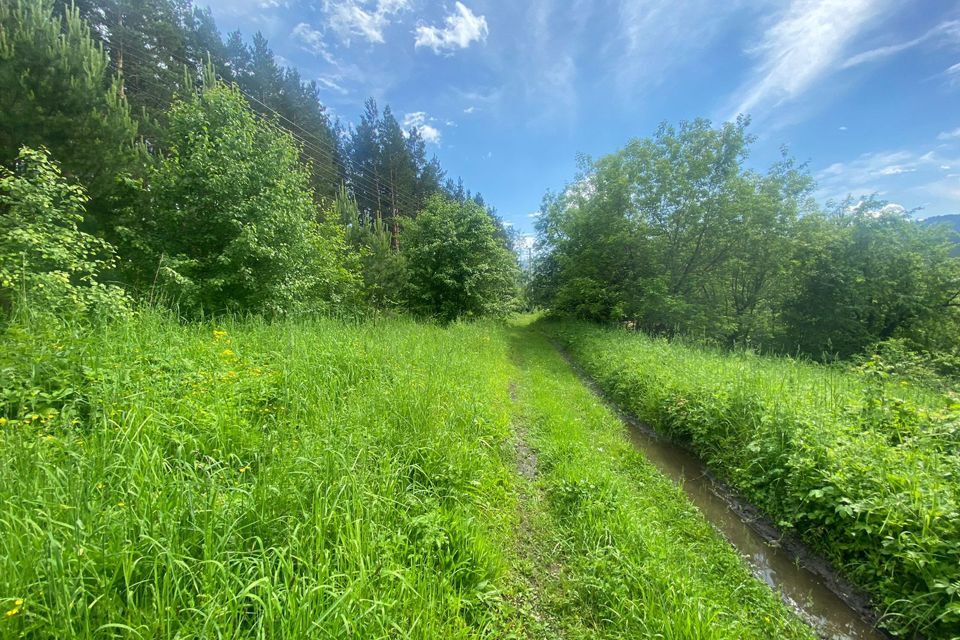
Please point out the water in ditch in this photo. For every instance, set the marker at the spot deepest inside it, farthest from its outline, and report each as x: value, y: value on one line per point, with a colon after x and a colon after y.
x: 806, y: 592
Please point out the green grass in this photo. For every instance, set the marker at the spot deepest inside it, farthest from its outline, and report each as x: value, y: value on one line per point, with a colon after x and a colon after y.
x: 864, y: 466
x: 290, y: 480
x: 319, y: 479
x: 623, y: 552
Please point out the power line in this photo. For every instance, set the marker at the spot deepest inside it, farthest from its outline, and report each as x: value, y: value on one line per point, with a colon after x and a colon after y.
x: 373, y: 188
x: 160, y: 99
x: 325, y: 171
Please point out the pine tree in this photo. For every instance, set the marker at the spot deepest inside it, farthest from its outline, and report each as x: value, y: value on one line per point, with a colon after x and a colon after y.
x: 398, y: 172
x: 365, y: 156
x: 57, y: 91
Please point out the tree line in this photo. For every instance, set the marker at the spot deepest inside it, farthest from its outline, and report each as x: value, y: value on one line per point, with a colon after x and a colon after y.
x: 166, y: 163
x: 673, y: 235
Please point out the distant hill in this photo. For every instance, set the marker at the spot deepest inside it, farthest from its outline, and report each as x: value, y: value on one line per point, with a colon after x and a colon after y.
x: 952, y: 221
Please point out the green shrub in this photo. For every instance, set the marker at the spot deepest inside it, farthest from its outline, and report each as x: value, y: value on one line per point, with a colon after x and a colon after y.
x: 862, y: 465
x: 232, y: 224
x: 458, y: 266
x: 44, y: 256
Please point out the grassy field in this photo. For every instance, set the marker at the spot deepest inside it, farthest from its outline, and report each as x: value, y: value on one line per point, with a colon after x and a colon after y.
x: 864, y: 466
x: 320, y: 479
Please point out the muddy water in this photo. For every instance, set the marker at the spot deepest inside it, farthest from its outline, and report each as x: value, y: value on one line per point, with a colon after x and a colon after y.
x: 805, y: 591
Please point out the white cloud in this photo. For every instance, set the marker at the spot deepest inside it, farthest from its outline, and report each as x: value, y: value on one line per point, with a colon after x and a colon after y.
x: 311, y: 40
x: 800, y: 47
x: 949, y: 29
x: 953, y: 74
x: 362, y: 18
x: 881, y: 171
x: 893, y: 208
x: 460, y: 30
x: 949, y: 135
x: 842, y: 128
x: 332, y: 82
x: 650, y: 28
x: 895, y: 170
x: 469, y: 110
x: 419, y: 120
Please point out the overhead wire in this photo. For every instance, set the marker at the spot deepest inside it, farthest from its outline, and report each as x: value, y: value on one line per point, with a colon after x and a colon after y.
x: 369, y: 186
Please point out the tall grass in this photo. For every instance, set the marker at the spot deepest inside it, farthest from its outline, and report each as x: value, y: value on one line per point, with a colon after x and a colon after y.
x: 631, y: 557
x: 865, y: 467
x: 248, y: 479
x: 325, y: 479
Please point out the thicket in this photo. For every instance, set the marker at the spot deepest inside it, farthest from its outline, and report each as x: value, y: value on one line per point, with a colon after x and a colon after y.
x: 862, y: 465
x: 229, y: 189
x: 674, y: 236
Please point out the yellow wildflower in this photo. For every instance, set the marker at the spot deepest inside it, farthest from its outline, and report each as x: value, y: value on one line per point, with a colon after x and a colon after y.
x: 3, y: 421
x: 231, y: 374
x: 219, y: 333
x: 244, y: 469
x: 16, y: 608
x: 227, y: 353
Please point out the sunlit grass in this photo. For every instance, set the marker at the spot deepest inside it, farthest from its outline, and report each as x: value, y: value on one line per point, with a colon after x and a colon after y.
x: 323, y: 479
x: 863, y: 466
x: 253, y: 480
x: 634, y: 559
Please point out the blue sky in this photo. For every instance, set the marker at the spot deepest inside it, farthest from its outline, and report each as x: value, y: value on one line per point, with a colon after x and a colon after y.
x: 509, y: 92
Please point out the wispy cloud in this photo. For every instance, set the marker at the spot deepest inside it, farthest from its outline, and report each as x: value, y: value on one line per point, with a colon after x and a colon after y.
x: 953, y: 74
x: 804, y: 44
x: 950, y: 30
x: 949, y: 135
x: 363, y: 19
x: 903, y: 171
x: 333, y: 83
x: 311, y: 40
x: 460, y: 30
x: 650, y: 29
x: 419, y: 120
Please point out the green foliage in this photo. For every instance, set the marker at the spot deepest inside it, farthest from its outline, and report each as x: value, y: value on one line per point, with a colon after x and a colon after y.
x: 865, y: 275
x: 319, y: 479
x: 289, y: 479
x: 232, y: 224
x: 382, y: 268
x: 673, y: 235
x: 862, y: 465
x: 45, y: 259
x: 458, y: 266
x: 626, y: 555
x: 57, y: 91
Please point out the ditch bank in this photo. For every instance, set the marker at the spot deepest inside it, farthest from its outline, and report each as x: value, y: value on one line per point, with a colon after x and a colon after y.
x: 807, y: 583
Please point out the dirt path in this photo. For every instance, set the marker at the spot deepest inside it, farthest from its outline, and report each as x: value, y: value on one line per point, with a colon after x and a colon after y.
x: 536, y: 568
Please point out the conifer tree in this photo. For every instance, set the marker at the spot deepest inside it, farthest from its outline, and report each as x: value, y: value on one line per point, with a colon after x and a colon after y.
x: 57, y: 91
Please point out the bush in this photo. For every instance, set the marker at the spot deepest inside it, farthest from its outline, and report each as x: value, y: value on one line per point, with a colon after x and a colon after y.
x: 44, y: 256
x: 458, y: 265
x: 233, y: 225
x: 862, y: 465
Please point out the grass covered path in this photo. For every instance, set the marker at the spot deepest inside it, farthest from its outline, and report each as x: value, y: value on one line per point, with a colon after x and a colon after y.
x: 609, y: 546
x: 319, y: 479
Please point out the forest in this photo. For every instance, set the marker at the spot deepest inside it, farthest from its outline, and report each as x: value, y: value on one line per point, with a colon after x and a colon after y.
x: 269, y: 374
